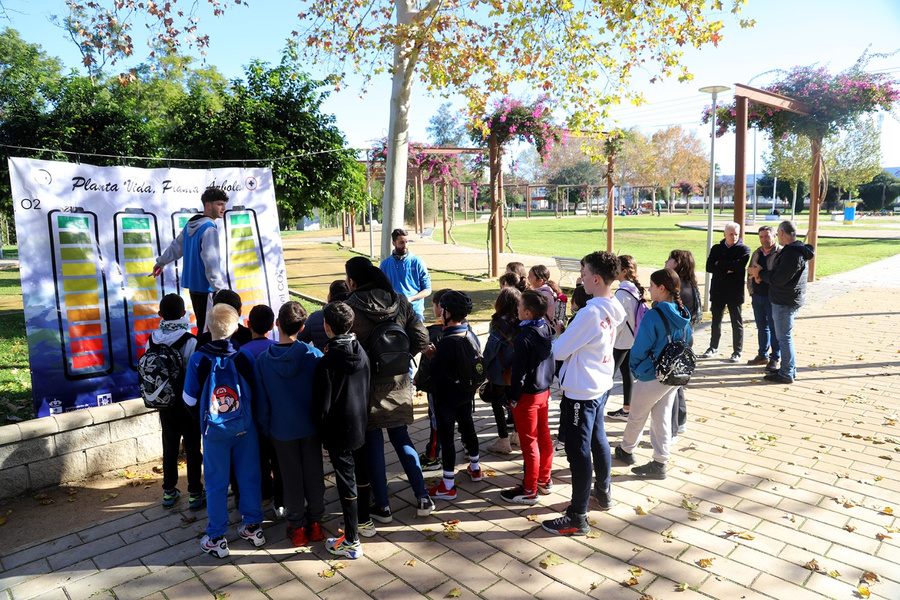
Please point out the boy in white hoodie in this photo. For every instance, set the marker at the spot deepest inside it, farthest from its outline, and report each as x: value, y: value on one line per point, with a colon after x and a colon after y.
x: 176, y: 422
x: 586, y: 376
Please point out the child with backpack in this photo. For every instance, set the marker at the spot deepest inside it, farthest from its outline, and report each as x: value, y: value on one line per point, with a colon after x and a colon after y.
x: 529, y: 395
x: 340, y: 413
x: 539, y: 280
x: 457, y: 369
x: 498, y: 356
x: 261, y: 321
x: 216, y: 383
x: 283, y: 378
x: 669, y: 320
x: 430, y: 459
x: 161, y: 370
x: 631, y: 295
x: 585, y: 379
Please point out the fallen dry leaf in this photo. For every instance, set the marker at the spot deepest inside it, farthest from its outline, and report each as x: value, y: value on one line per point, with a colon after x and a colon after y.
x: 693, y: 515
x: 812, y: 565
x: 410, y: 563
x: 640, y: 510
x: 833, y: 573
x: 682, y: 587
x: 882, y: 536
x: 863, y: 591
x: 636, y: 571
x: 594, y: 534
x: 595, y: 585
x: 887, y: 510
x: 454, y: 593
x: 870, y: 577
x: 630, y: 582
x: 689, y: 505
x: 706, y: 562
x: 668, y: 535
x: 5, y: 517
x: 719, y: 509
x: 551, y: 560
x: 531, y: 517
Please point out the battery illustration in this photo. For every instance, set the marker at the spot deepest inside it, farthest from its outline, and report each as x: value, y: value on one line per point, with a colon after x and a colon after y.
x: 179, y: 220
x: 81, y: 298
x: 137, y: 246
x: 245, y: 259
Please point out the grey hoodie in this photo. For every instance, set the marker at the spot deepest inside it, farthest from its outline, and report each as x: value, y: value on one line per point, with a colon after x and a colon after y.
x: 209, y: 253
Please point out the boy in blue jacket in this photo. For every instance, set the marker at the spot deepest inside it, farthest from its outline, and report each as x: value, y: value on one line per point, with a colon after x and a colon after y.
x: 529, y: 396
x: 283, y: 378
x: 240, y: 450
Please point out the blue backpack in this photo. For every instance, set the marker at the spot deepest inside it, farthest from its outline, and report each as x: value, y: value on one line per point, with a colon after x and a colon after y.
x: 226, y: 401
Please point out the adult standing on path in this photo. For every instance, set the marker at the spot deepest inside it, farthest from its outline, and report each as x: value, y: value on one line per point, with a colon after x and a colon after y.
x: 727, y: 261
x: 407, y: 273
x: 764, y: 258
x: 198, y: 245
x: 787, y: 292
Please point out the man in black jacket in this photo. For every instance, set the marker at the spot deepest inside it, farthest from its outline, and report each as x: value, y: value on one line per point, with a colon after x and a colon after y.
x: 787, y: 291
x: 727, y: 262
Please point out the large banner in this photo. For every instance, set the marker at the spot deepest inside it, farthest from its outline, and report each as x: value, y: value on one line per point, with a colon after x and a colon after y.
x: 88, y: 239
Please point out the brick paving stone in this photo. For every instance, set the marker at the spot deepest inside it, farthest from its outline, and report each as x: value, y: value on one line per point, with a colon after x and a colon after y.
x: 504, y: 590
x: 192, y: 589
x: 721, y: 566
x: 716, y: 587
x: 39, y: 551
x: 127, y: 553
x: 397, y: 589
x: 292, y: 590
x: 56, y: 594
x: 417, y: 543
x: 886, y: 568
x: 221, y: 576
x: 22, y: 574
x: 159, y: 580
x: 307, y: 567
x: 422, y: 576
x: 517, y: 572
x: 243, y: 589
x: 264, y: 570
x: 53, y: 579
x: 772, y: 565
x: 112, y: 527
x: 104, y: 580
x: 462, y: 568
x: 777, y: 587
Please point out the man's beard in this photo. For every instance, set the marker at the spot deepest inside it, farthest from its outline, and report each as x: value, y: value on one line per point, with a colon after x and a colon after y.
x: 400, y: 251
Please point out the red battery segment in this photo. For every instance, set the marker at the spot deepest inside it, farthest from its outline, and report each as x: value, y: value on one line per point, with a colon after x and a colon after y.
x: 246, y: 263
x: 179, y: 220
x: 81, y: 296
x: 137, y: 246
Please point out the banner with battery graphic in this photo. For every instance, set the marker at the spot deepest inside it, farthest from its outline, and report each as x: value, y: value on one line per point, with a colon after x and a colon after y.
x: 88, y: 239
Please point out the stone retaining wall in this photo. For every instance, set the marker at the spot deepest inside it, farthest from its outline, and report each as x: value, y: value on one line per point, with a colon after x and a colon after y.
x: 64, y: 448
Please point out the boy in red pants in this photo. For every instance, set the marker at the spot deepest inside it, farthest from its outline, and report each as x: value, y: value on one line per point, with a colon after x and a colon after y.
x: 529, y: 395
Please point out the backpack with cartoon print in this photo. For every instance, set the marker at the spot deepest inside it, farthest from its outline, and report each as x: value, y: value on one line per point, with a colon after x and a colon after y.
x: 226, y: 401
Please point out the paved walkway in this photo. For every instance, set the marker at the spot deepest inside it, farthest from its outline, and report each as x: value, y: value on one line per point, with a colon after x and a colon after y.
x: 784, y: 479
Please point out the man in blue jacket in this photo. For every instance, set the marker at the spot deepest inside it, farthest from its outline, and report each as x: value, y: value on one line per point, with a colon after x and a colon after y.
x: 407, y: 273
x: 787, y: 292
x: 198, y: 245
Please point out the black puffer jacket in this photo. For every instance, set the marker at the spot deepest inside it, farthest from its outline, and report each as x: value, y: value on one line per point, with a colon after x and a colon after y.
x: 390, y: 403
x: 787, y: 279
x: 727, y: 287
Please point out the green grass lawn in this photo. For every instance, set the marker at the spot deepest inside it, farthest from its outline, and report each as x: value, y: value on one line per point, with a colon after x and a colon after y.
x: 650, y: 239
x: 15, y: 377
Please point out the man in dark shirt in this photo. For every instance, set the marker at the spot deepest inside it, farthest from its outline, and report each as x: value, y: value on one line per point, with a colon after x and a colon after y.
x: 727, y: 262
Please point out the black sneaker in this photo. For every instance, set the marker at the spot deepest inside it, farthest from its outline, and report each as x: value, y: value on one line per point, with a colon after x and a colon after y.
x: 618, y: 415
x: 736, y: 357
x: 197, y: 501
x: 604, y: 498
x: 170, y: 497
x: 710, y: 352
x: 381, y: 514
x: 652, y: 470
x: 622, y: 456
x: 518, y: 495
x: 568, y: 525
x: 429, y: 464
x: 778, y: 378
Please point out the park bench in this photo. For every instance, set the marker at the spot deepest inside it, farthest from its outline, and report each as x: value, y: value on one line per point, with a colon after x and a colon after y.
x: 428, y: 233
x: 567, y: 266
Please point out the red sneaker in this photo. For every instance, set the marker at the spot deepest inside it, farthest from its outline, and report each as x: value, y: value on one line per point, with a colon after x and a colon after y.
x: 297, y: 536
x: 439, y: 491
x: 475, y: 474
x: 314, y: 532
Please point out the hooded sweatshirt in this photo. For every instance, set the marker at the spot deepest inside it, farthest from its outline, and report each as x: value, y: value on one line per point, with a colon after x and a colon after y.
x: 198, y: 246
x: 787, y: 279
x: 586, y: 349
x: 282, y: 386
x: 651, y: 338
x: 629, y: 296
x: 199, y: 365
x: 341, y: 394
x: 533, y: 366
x: 170, y: 332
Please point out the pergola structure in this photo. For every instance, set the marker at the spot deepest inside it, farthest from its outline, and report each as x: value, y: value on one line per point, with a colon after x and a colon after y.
x: 743, y: 95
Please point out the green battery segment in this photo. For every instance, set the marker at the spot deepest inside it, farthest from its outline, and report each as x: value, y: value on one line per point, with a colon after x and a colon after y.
x: 246, y: 261
x: 137, y: 246
x: 179, y: 220
x: 81, y: 297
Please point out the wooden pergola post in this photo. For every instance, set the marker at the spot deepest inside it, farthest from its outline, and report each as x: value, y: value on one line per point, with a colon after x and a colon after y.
x: 815, y: 201
x: 740, y: 164
x: 494, y: 158
x: 444, y: 208
x: 610, y: 214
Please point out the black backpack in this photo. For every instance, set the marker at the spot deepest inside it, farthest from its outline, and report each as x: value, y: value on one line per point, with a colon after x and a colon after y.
x: 470, y: 368
x: 161, y: 373
x: 388, y: 350
x: 675, y: 364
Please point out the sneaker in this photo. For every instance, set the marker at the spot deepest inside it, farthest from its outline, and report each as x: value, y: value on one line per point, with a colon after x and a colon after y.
x: 604, y: 498
x: 710, y: 352
x: 519, y: 495
x: 280, y: 512
x: 426, y: 506
x: 197, y: 501
x: 217, y: 547
x: 314, y: 532
x: 170, y: 498
x: 342, y: 547
x: 297, y: 536
x: 500, y: 446
x: 618, y: 415
x: 652, y: 470
x: 758, y: 360
x: 735, y: 358
x: 253, y: 534
x: 429, y: 464
x: 367, y: 529
x: 622, y: 456
x: 565, y: 525
x: 382, y: 514
x: 545, y: 488
x: 439, y: 491
x: 778, y: 378
x: 475, y: 474
x: 514, y: 438
x: 681, y: 429
x: 772, y: 365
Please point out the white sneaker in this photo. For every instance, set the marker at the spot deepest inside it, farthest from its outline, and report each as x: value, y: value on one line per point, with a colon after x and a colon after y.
x: 253, y: 534
x: 217, y: 547
x: 367, y: 529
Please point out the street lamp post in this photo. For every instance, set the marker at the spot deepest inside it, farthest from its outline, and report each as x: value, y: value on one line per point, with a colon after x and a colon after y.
x: 714, y: 90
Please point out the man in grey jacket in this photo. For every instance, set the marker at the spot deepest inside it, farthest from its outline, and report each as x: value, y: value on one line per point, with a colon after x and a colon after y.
x: 787, y: 291
x: 198, y: 245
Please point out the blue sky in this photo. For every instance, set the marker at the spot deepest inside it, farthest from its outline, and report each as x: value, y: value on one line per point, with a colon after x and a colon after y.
x: 787, y: 33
